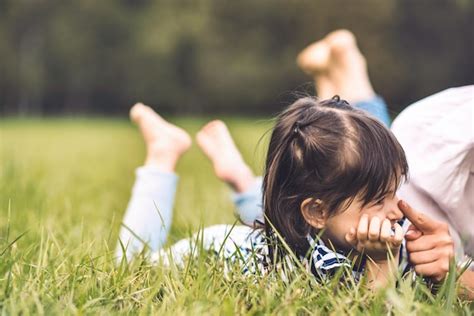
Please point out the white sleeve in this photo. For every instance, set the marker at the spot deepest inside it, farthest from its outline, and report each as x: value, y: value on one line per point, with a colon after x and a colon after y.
x: 437, y: 134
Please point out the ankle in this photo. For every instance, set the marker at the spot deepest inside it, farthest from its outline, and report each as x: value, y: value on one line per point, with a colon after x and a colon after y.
x: 164, y: 164
x: 324, y: 87
x: 243, y: 179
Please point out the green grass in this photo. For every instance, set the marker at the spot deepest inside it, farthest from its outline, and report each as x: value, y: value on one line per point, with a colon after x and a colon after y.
x: 64, y: 185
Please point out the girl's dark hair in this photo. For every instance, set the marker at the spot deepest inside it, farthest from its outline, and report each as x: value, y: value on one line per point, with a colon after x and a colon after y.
x: 330, y: 151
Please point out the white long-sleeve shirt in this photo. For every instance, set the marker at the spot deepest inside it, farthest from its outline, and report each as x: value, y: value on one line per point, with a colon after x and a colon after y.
x: 437, y: 134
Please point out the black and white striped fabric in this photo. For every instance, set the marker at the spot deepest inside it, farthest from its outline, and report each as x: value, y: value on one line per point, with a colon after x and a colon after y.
x: 248, y: 248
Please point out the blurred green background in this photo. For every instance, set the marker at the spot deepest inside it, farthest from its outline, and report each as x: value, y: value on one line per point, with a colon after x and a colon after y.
x: 73, y: 177
x: 199, y: 57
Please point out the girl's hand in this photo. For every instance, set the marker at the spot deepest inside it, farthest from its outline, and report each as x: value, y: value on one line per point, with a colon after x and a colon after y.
x: 376, y: 238
x: 429, y: 244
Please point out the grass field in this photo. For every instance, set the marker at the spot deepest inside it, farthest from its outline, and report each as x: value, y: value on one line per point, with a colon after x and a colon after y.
x: 64, y: 185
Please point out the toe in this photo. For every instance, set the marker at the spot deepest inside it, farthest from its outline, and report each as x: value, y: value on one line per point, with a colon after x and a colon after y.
x: 219, y: 128
x: 213, y: 127
x: 313, y: 58
x: 136, y: 111
x: 341, y: 38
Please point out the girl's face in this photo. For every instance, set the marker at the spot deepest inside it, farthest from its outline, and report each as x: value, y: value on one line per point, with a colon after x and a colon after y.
x: 337, y: 226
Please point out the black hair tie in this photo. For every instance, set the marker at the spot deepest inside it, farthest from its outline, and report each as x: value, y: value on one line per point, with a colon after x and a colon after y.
x: 339, y: 102
x: 296, y: 128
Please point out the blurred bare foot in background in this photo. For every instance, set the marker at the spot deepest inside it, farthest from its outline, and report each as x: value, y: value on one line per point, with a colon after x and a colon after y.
x: 165, y: 142
x: 314, y: 61
x: 338, y: 67
x: 229, y: 166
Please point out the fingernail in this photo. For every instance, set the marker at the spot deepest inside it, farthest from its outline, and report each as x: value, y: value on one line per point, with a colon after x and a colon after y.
x: 403, y: 204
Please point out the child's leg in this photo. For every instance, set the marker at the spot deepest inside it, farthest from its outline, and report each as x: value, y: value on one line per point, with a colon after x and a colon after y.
x: 248, y: 204
x: 226, y: 239
x: 149, y: 212
x: 229, y: 166
x: 338, y: 67
x: 377, y: 107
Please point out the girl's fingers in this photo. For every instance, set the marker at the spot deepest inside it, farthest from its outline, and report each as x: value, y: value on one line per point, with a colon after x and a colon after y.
x: 398, y: 235
x: 351, y: 237
x: 374, y: 229
x: 363, y: 228
x: 385, y: 231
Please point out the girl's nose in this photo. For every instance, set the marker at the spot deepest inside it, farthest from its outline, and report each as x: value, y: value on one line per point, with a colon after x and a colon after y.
x: 394, y: 212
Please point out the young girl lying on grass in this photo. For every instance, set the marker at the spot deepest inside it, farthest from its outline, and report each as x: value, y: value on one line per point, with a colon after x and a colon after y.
x: 329, y: 194
x: 364, y: 221
x: 338, y: 67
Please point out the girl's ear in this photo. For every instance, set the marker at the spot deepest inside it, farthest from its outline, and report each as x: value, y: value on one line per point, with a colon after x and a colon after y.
x: 314, y: 212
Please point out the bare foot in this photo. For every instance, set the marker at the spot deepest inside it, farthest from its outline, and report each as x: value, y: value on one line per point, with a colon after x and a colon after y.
x: 314, y: 60
x: 338, y: 67
x: 347, y: 68
x: 217, y: 143
x: 165, y: 142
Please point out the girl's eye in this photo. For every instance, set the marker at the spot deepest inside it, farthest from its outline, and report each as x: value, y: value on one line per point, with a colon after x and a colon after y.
x: 380, y: 202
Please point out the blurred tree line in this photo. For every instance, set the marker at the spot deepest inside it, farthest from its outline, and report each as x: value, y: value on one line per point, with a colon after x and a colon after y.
x: 214, y: 56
